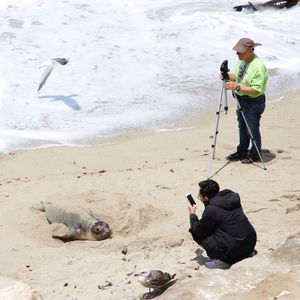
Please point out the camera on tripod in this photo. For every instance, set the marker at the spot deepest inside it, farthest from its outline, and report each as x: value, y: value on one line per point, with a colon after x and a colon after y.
x: 224, y: 70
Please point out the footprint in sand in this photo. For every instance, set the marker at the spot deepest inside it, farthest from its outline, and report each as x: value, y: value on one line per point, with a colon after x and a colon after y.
x: 292, y: 197
x: 202, y: 152
x: 274, y: 200
x: 292, y: 209
x: 254, y: 211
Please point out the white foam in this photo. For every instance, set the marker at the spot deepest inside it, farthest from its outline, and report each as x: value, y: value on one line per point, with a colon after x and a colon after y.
x: 2, y: 89
x: 133, y: 64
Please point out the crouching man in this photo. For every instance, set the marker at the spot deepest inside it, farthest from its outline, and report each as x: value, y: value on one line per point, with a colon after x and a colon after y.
x: 224, y: 231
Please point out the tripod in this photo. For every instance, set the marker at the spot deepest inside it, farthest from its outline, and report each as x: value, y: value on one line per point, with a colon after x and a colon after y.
x: 219, y: 107
x: 224, y: 70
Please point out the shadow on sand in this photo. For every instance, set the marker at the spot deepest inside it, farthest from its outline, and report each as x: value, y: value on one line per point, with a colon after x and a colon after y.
x: 267, y: 156
x: 67, y: 100
x: 200, y: 258
x: 158, y: 291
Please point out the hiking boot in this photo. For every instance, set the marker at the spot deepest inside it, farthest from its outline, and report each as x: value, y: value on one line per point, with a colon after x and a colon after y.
x: 235, y: 156
x: 217, y: 264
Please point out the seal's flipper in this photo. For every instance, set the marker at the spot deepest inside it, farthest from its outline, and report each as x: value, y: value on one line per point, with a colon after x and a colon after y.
x: 90, y: 213
x: 93, y: 215
x: 252, y: 6
x: 41, y: 206
x: 61, y: 231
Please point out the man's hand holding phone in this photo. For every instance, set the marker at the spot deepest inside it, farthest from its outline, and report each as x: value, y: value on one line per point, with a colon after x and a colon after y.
x: 192, y: 207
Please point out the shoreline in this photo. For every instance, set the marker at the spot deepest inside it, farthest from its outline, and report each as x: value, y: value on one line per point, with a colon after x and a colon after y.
x: 166, y: 125
x: 137, y: 184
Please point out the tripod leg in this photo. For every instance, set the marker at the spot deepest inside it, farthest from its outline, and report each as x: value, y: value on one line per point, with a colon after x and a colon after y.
x: 250, y: 133
x: 225, y: 97
x: 218, y: 119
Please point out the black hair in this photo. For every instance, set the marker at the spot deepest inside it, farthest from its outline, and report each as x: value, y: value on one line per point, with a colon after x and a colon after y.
x: 208, y: 188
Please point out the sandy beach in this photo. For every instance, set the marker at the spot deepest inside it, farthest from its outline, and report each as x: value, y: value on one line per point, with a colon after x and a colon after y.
x: 137, y: 184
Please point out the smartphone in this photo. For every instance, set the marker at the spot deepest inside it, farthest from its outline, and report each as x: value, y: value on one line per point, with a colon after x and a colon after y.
x: 191, y: 199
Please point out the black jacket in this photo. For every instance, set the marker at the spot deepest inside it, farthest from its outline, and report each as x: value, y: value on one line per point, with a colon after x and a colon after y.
x: 224, y: 231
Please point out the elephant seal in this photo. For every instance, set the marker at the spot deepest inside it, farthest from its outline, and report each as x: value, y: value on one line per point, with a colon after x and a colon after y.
x: 269, y: 4
x: 74, y: 224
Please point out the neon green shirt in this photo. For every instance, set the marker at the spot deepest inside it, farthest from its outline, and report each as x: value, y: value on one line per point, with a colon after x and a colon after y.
x: 254, y: 75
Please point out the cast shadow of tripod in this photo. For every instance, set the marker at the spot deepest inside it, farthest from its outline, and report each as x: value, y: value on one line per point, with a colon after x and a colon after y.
x: 219, y: 170
x: 267, y: 156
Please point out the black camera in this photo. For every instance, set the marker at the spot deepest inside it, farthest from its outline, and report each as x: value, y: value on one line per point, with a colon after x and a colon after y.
x: 224, y: 70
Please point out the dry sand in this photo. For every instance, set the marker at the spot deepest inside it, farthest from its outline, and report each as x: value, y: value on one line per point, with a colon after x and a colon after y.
x: 138, y: 184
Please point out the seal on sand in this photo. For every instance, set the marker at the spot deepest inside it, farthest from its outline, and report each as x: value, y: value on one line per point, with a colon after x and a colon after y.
x: 269, y: 4
x: 74, y: 224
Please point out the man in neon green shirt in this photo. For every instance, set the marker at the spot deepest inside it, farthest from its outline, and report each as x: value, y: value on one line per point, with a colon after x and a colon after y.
x: 248, y: 84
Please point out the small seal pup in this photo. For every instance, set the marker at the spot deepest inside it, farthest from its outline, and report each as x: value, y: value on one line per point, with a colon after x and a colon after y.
x: 154, y: 278
x: 48, y: 68
x: 74, y: 224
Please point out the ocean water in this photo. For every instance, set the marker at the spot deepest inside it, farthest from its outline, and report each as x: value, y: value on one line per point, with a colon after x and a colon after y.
x: 136, y: 64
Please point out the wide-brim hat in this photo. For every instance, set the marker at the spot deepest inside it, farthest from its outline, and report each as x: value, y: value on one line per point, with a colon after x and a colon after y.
x: 245, y: 44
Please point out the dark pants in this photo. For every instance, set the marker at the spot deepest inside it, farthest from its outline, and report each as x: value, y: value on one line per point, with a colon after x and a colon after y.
x: 210, y: 246
x: 230, y: 255
x: 252, y: 110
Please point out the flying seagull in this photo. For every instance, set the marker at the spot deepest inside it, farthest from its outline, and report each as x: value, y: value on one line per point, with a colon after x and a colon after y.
x: 48, y: 67
x: 154, y: 278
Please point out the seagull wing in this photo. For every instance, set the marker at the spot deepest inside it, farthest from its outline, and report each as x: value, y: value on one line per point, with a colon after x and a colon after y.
x: 48, y: 68
x: 62, y: 61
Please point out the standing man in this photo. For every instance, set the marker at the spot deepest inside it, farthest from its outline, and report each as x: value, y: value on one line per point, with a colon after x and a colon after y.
x: 223, y: 231
x: 248, y: 84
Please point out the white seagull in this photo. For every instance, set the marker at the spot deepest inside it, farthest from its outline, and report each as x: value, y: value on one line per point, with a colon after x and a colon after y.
x: 48, y: 67
x: 154, y: 278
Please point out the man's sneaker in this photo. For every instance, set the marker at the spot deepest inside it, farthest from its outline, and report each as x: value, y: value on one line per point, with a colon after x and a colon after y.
x: 217, y: 264
x: 235, y: 156
x: 253, y: 253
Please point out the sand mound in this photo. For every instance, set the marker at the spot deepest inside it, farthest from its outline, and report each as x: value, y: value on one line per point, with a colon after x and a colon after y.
x: 12, y: 289
x: 288, y: 253
x: 277, y: 285
x: 133, y: 218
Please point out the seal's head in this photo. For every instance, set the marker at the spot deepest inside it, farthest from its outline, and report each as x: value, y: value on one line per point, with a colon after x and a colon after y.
x: 62, y: 61
x: 100, y: 231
